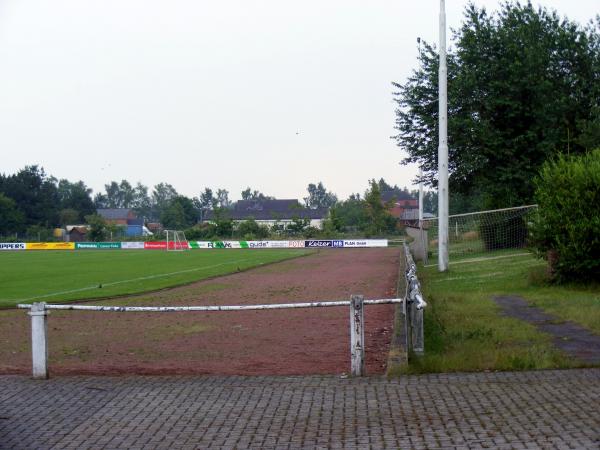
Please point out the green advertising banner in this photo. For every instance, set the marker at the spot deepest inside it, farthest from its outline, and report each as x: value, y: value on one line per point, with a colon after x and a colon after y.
x: 96, y: 245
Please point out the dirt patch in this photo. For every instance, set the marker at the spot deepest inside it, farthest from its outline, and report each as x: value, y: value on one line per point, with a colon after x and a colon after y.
x: 270, y: 342
x: 576, y: 341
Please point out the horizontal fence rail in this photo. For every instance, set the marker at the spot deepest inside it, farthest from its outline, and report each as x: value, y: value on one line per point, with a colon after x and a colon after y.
x: 39, y: 323
x: 319, y: 304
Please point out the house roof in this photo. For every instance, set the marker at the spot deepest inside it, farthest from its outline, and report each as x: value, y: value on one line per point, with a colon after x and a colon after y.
x: 386, y: 196
x: 271, y: 210
x: 114, y: 213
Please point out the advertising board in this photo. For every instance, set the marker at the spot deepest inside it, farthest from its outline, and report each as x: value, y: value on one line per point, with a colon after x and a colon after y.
x: 97, y: 245
x: 317, y: 243
x: 50, y: 245
x: 364, y: 243
x: 162, y: 245
x: 132, y: 245
x: 12, y: 246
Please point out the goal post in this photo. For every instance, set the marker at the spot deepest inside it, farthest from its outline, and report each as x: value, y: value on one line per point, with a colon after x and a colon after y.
x: 176, y: 241
x: 472, y: 234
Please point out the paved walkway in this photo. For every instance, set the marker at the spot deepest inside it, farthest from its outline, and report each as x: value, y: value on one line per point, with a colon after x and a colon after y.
x: 573, y: 339
x: 544, y: 409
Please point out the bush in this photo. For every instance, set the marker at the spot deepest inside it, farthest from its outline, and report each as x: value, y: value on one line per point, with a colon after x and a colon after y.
x: 566, y: 227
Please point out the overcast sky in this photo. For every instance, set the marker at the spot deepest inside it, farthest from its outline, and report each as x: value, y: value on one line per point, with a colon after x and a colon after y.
x: 271, y: 94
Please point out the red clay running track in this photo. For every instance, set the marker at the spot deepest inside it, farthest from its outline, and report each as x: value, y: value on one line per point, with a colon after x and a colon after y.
x: 270, y: 342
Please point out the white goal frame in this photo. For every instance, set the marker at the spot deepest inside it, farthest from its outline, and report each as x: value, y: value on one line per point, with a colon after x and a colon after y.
x: 177, y: 240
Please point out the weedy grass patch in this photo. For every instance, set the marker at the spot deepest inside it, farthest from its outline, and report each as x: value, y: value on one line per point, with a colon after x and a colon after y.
x: 464, y: 328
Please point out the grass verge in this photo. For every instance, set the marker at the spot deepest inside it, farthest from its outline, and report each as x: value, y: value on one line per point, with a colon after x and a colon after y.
x: 464, y: 330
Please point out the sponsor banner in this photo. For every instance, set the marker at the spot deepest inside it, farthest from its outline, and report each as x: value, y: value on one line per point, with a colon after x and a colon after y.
x: 162, y: 245
x: 97, y: 245
x: 278, y: 244
x: 132, y: 245
x: 12, y: 246
x: 241, y: 244
x: 311, y: 243
x: 317, y: 243
x: 50, y: 246
x: 364, y: 243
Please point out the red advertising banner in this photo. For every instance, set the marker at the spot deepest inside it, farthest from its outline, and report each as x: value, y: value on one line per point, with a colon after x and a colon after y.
x: 162, y: 245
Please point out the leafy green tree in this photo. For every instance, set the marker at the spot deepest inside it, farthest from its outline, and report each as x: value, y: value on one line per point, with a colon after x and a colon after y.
x: 205, y: 202
x: 98, y: 230
x: 119, y: 195
x: 11, y: 219
x: 162, y: 195
x: 298, y: 226
x: 179, y: 214
x: 141, y: 203
x: 74, y: 197
x: 221, y: 199
x: 522, y: 85
x: 69, y: 216
x: 348, y: 215
x: 249, y: 194
x: 251, y: 229
x: 379, y: 220
x: 319, y: 197
x: 35, y: 195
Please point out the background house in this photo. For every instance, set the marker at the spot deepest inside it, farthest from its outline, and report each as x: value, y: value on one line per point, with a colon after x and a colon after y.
x: 404, y: 205
x: 125, y: 217
x: 76, y: 233
x: 271, y: 212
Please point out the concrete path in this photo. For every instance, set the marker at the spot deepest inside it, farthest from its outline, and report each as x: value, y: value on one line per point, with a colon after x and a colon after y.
x: 573, y: 339
x: 544, y: 409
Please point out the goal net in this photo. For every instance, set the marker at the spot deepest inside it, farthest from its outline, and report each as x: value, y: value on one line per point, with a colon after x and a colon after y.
x: 176, y: 241
x: 481, y: 232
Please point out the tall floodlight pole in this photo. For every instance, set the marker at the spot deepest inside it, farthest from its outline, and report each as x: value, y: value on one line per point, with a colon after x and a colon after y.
x: 443, y: 148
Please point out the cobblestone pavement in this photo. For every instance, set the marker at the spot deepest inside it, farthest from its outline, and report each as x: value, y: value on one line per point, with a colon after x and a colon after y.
x: 543, y: 409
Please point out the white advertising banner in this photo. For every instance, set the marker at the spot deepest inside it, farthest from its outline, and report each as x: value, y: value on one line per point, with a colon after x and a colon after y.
x: 132, y: 245
x: 12, y: 246
x: 364, y: 243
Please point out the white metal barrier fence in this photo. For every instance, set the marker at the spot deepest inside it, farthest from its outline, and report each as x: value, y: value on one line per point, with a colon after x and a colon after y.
x: 413, y: 308
x: 39, y: 324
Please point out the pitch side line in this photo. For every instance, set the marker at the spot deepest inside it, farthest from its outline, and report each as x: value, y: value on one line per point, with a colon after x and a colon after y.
x: 465, y: 261
x: 114, y: 283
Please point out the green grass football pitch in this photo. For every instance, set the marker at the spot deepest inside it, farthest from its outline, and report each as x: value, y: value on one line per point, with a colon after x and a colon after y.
x: 58, y: 276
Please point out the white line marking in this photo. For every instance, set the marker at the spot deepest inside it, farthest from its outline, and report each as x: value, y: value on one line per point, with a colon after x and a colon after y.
x: 483, y: 258
x: 149, y: 277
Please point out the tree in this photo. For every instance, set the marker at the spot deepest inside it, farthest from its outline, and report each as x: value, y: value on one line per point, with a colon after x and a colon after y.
x: 205, y: 202
x: 141, y: 202
x: 222, y: 199
x: 379, y: 219
x: 74, y: 197
x: 162, y: 195
x: 179, y: 214
x: 35, y: 195
x: 68, y: 216
x: 319, y: 197
x: 249, y: 194
x: 98, y: 230
x: 119, y: 195
x: 522, y: 85
x: 11, y: 219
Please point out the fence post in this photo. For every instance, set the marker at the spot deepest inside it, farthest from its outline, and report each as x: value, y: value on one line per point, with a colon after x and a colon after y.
x: 418, y: 338
x: 39, y: 340
x: 357, y: 336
